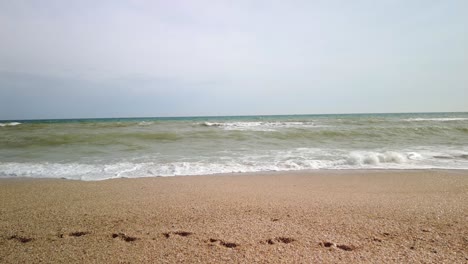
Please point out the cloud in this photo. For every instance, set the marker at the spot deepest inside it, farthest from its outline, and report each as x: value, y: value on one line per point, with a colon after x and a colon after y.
x: 232, y: 57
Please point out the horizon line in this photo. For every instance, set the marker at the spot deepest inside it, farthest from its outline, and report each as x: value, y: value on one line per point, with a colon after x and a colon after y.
x: 214, y: 116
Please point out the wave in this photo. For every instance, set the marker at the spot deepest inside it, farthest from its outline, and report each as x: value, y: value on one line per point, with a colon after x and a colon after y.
x: 260, y: 126
x: 9, y: 124
x: 291, y: 160
x: 258, y: 133
x: 145, y: 123
x: 441, y: 119
x: 101, y: 139
x: 210, y: 124
x: 373, y: 158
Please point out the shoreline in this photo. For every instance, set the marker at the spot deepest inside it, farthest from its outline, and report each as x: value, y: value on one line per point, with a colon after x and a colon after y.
x: 258, y: 173
x: 339, y: 216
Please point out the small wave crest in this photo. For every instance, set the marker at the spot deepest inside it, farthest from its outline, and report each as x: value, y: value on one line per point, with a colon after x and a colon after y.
x: 9, y: 124
x: 437, y: 119
x: 373, y: 158
x: 423, y: 159
x: 145, y: 123
x: 210, y: 124
x: 259, y: 126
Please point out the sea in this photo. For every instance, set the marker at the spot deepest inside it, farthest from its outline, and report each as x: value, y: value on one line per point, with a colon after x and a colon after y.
x: 99, y: 149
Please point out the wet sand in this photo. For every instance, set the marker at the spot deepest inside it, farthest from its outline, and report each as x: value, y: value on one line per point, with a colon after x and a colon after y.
x: 290, y: 217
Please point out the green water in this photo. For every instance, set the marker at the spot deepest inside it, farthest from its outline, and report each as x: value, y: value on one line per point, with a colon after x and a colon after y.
x: 93, y: 149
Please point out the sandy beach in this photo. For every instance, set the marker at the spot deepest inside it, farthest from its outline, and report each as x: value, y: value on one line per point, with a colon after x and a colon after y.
x: 292, y: 217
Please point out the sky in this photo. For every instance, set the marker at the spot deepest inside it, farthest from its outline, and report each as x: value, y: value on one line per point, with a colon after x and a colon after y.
x: 88, y: 59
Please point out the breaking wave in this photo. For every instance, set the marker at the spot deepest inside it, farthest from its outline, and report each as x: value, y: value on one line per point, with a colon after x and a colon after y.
x: 259, y: 126
x: 292, y: 160
x: 9, y: 124
x: 99, y: 149
x: 437, y: 119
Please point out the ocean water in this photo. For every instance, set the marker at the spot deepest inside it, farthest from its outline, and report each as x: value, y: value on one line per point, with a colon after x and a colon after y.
x: 97, y: 149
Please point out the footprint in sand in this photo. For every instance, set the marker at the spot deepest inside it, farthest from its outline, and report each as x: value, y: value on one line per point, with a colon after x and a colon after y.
x: 78, y: 234
x: 21, y: 239
x: 284, y: 240
x: 342, y: 247
x: 223, y: 243
x: 124, y: 237
x: 178, y: 233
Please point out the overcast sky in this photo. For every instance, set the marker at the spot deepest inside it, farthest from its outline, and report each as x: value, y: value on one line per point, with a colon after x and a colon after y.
x: 70, y: 59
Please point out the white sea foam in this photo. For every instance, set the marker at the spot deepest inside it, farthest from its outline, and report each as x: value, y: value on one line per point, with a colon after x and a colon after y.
x: 259, y: 126
x: 437, y: 119
x: 90, y: 172
x: 9, y: 124
x: 414, y: 156
x: 373, y: 158
x: 95, y: 150
x: 211, y: 124
x: 290, y: 160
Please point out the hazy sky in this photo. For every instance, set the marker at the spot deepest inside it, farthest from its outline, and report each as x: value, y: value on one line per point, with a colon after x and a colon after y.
x: 64, y: 59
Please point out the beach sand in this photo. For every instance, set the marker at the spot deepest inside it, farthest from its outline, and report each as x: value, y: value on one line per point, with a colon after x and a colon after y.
x: 290, y: 217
